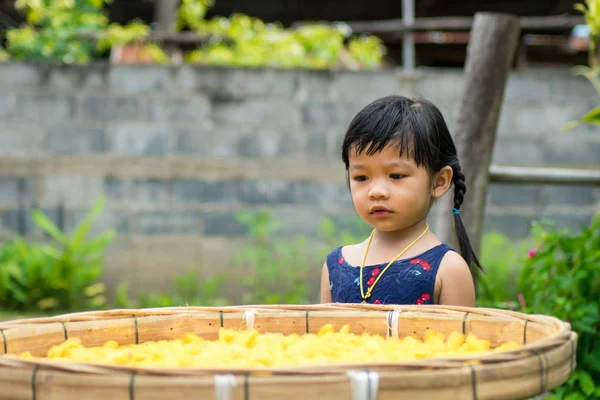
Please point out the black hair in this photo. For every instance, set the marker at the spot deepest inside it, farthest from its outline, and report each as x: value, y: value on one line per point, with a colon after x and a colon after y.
x: 417, y: 127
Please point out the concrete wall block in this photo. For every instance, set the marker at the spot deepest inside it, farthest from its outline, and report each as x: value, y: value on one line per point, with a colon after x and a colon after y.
x: 16, y: 74
x: 335, y: 149
x: 138, y: 138
x: 216, y: 141
x: 572, y: 151
x: 565, y: 86
x: 506, y: 119
x: 318, y: 142
x: 223, y: 224
x: 255, y: 112
x: 269, y: 143
x: 7, y: 104
x: 83, y: 78
x: 71, y: 190
x: 115, y: 220
x: 569, y: 195
x: 315, y: 85
x: 514, y: 226
x: 188, y: 191
x: 239, y: 82
x: 298, y: 221
x: 105, y: 108
x: 324, y: 195
x: 19, y: 221
x: 407, y: 83
x: 45, y: 107
x: 140, y: 79
x: 524, y: 86
x: 137, y: 191
x: 70, y: 139
x: 515, y: 151
x: 440, y: 86
x: 546, y: 119
x: 507, y: 194
x: 16, y: 189
x: 167, y: 223
x: 326, y: 114
x: 365, y: 86
x: 14, y: 222
x: 193, y: 108
x: 570, y: 221
x: 267, y: 192
x: 448, y: 110
x: 21, y: 138
x: 159, y: 259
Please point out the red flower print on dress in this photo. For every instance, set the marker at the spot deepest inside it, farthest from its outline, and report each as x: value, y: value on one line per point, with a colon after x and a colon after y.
x: 424, y: 297
x: 375, y: 272
x: 376, y: 302
x: 341, y: 260
x: 424, y: 264
x: 371, y: 281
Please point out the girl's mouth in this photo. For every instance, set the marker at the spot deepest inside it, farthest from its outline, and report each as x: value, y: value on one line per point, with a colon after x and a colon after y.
x: 380, y: 212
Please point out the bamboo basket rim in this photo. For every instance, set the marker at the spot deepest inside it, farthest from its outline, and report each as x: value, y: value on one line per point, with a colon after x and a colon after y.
x: 561, y: 333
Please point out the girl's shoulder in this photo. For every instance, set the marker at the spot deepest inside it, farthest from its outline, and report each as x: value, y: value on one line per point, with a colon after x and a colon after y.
x: 337, y: 255
x: 452, y: 262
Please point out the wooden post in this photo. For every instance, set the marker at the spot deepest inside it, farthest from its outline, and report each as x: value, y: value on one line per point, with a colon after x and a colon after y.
x: 493, y: 42
x: 408, y: 41
x: 164, y: 16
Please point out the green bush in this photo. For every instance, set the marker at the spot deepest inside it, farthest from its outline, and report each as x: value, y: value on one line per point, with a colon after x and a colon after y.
x: 62, y: 274
x: 59, y: 31
x: 286, y: 270
x: 187, y: 290
x: 502, y: 259
x: 271, y: 269
x: 56, y: 32
x: 562, y: 278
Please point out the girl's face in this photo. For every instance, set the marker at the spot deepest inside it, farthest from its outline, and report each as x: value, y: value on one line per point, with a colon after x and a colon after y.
x: 389, y: 192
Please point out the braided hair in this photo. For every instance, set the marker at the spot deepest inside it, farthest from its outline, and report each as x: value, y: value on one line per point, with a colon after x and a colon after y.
x: 460, y: 188
x: 418, y: 129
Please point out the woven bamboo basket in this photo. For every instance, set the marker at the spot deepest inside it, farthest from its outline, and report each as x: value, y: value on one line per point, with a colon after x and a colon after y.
x: 544, y: 362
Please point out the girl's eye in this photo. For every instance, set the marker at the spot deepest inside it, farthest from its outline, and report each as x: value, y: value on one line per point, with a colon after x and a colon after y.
x: 396, y: 176
x: 360, y: 178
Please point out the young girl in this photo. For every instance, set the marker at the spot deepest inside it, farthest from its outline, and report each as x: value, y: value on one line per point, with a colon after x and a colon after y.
x: 399, y: 159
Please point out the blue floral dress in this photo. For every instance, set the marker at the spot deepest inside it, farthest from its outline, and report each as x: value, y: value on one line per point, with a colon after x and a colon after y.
x: 407, y: 281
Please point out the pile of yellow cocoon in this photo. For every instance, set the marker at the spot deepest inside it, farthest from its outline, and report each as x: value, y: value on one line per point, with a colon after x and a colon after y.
x: 250, y: 349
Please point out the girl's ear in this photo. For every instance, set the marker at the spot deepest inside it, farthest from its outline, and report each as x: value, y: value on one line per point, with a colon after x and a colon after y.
x: 441, y: 182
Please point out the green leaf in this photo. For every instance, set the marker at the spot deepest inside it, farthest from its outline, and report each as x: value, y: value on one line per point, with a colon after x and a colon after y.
x: 17, y: 293
x: 592, y: 116
x: 47, y: 303
x: 82, y: 230
x: 575, y: 396
x: 587, y: 383
x: 45, y: 224
x: 98, y: 244
x: 17, y: 274
x: 570, y: 125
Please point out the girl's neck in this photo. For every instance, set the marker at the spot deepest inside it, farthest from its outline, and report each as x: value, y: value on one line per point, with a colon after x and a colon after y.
x: 393, y: 239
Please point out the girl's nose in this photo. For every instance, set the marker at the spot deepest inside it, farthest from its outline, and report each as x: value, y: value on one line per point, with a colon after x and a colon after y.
x: 378, y: 192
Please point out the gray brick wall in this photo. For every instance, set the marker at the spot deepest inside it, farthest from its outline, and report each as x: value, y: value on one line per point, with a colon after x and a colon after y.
x: 178, y: 151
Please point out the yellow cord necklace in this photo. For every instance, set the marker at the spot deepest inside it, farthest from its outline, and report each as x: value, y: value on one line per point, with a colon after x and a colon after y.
x: 362, y: 264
